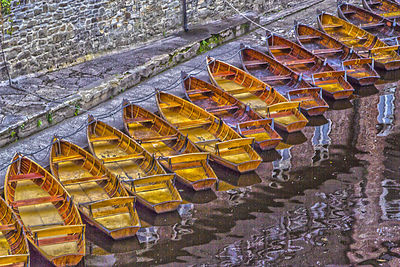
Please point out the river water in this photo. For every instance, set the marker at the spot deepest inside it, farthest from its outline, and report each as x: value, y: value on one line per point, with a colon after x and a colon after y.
x: 327, y: 196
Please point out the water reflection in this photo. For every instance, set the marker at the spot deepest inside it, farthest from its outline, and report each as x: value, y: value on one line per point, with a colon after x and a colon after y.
x: 339, y: 104
x: 321, y: 142
x: 386, y: 111
x: 282, y: 166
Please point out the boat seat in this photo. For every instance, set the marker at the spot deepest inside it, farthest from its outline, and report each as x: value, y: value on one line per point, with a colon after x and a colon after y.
x: 326, y: 51
x: 123, y: 158
x: 158, y: 138
x: 192, y: 124
x: 46, y: 224
x: 242, y: 89
x: 252, y: 63
x: 58, y: 234
x: 207, y: 142
x: 7, y: 227
x: 170, y: 105
x: 355, y: 38
x: 371, y: 25
x: 138, y: 120
x: 104, y: 138
x: 223, y: 73
x: 36, y: 201
x: 22, y: 177
x: 14, y: 260
x: 222, y: 109
x: 276, y: 78
x: 279, y: 47
x: 195, y: 92
x: 326, y: 82
x: 84, y: 180
x: 309, y: 38
x: 349, y: 12
x: 253, y: 131
x: 62, y: 158
x: 109, y: 202
x: 299, y: 62
x: 333, y: 26
x: 391, y: 15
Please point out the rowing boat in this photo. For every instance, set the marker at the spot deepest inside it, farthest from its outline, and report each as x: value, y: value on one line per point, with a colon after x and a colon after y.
x: 255, y: 93
x: 209, y: 133
x: 311, y: 67
x: 99, y: 195
x: 14, y: 250
x: 385, y: 8
x: 364, y: 43
x: 174, y: 151
x: 51, y: 221
x: 337, y: 55
x: 140, y: 172
x: 284, y: 80
x: 233, y: 112
x: 379, y: 26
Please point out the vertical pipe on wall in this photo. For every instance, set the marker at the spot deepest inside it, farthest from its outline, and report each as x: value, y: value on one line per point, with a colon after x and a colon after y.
x: 184, y: 16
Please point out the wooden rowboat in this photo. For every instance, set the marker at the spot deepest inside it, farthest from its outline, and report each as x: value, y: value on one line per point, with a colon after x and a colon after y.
x: 385, y: 8
x: 337, y: 55
x: 233, y: 112
x: 174, y: 151
x: 209, y: 133
x: 254, y: 93
x: 284, y: 80
x: 311, y: 67
x: 364, y: 43
x: 51, y: 220
x: 379, y: 26
x: 99, y: 195
x: 14, y: 250
x: 141, y: 173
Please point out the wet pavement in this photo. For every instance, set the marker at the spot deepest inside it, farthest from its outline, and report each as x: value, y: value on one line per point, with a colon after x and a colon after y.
x: 329, y: 196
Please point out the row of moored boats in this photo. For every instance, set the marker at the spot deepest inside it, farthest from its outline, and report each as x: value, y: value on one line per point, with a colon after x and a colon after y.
x: 224, y: 122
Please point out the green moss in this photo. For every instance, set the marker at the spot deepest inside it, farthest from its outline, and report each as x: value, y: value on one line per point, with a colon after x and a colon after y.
x: 205, y: 45
x: 49, y: 117
x: 39, y: 123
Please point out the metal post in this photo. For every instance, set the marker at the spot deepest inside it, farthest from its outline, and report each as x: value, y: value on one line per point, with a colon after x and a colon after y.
x: 184, y: 16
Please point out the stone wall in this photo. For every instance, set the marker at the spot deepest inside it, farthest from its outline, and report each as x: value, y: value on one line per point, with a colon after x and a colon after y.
x: 50, y: 34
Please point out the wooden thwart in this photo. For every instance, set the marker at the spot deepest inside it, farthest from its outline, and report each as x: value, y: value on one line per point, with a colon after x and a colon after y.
x: 252, y: 63
x: 84, y: 180
x: 279, y: 47
x: 108, y: 202
x: 104, y: 138
x: 371, y: 25
x: 326, y: 51
x: 7, y: 227
x: 158, y: 138
x: 67, y: 158
x: 276, y: 78
x: 36, y: 201
x: 124, y: 158
x: 14, y: 260
x: 299, y: 62
x: 309, y: 38
x: 192, y: 124
x: 196, y: 92
x: 21, y: 177
x: 223, y: 74
x: 221, y: 109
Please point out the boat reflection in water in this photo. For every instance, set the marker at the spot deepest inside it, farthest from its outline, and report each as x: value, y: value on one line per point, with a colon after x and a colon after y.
x: 229, y: 179
x: 321, y: 142
x: 282, y: 166
x: 386, y: 111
